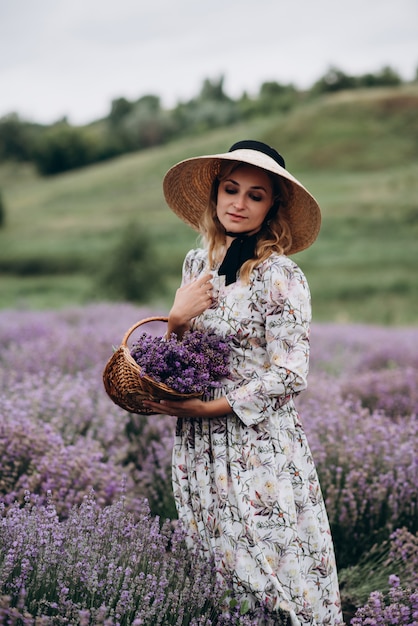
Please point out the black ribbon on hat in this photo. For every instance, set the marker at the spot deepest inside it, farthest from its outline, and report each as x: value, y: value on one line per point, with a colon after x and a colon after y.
x: 241, y: 249
x: 259, y: 146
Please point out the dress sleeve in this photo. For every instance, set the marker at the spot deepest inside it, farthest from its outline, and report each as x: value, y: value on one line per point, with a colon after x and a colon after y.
x: 286, y: 297
x: 193, y: 265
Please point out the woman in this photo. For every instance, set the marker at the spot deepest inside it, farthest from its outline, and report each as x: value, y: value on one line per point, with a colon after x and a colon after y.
x: 243, y: 476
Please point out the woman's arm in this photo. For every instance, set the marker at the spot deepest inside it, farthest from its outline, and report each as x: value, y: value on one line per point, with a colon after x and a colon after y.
x: 191, y: 408
x: 286, y: 297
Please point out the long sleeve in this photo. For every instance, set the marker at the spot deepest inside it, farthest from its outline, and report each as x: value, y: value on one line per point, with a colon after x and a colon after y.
x: 284, y: 295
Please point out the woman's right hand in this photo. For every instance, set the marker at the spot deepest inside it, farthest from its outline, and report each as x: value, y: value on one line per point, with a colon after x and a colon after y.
x: 190, y: 300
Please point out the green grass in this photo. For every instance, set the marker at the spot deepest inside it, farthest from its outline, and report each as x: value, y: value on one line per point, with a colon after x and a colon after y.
x: 39, y: 292
x: 356, y: 152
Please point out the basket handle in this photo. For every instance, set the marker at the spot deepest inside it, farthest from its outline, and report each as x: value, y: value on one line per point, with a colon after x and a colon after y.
x: 135, y: 326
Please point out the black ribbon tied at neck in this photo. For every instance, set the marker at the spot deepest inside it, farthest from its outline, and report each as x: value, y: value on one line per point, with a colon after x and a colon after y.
x: 241, y: 249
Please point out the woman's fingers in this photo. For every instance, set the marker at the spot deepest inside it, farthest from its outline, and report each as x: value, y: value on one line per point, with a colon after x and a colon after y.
x: 205, y: 284
x: 190, y: 301
x: 196, y: 296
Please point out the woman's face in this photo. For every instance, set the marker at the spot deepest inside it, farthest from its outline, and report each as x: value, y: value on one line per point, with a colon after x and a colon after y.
x: 244, y: 199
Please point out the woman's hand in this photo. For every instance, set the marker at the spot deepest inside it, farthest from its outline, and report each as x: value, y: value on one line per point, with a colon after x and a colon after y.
x: 190, y: 300
x: 190, y: 408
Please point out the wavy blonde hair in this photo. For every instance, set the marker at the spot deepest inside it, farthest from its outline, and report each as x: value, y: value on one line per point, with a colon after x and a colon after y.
x: 274, y: 236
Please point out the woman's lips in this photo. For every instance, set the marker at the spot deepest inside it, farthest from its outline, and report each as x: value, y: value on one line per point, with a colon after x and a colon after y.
x: 236, y: 218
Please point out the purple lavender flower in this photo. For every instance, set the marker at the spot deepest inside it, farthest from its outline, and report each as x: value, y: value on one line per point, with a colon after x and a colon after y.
x: 59, y: 433
x: 398, y: 607
x: 193, y: 365
x: 103, y: 566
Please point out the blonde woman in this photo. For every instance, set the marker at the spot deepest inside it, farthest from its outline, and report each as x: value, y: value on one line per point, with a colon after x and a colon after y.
x: 243, y: 476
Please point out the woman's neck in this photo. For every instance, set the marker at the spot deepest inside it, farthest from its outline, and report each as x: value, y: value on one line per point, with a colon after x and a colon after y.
x: 231, y: 236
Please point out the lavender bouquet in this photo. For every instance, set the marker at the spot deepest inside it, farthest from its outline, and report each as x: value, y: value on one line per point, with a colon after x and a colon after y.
x: 193, y: 365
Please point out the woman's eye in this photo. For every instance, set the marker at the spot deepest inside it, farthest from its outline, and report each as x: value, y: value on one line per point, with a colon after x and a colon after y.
x: 230, y: 190
x: 255, y: 198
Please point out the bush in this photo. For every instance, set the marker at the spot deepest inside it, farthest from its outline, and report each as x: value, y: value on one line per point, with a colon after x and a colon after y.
x: 60, y: 432
x: 144, y: 128
x: 399, y: 607
x: 35, y: 458
x: 274, y: 97
x: 398, y: 556
x: 104, y: 567
x: 132, y: 271
x: 16, y: 139
x: 61, y: 148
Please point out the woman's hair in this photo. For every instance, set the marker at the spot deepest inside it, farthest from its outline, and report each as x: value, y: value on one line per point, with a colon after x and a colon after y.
x: 274, y: 236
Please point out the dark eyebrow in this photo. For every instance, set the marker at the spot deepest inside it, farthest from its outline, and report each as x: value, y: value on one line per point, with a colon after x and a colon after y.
x: 231, y: 180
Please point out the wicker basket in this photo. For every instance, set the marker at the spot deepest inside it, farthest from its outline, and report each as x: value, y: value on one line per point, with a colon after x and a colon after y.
x: 126, y: 386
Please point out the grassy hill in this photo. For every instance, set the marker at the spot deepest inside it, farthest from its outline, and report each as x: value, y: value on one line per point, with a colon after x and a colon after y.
x: 356, y: 151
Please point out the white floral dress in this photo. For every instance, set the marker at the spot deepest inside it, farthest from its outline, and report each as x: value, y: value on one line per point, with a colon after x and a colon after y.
x: 246, y: 482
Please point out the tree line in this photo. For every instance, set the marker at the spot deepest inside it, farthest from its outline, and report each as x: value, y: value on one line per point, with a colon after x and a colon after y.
x: 144, y: 123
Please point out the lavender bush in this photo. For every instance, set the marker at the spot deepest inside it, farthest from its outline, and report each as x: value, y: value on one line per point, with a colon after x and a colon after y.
x: 393, y: 391
x: 404, y: 549
x: 398, y: 556
x: 399, y: 607
x: 102, y: 566
x: 367, y: 465
x: 58, y: 429
x: 33, y: 457
x: 60, y: 432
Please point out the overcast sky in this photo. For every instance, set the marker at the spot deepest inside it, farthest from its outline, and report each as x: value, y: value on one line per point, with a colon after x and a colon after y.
x: 73, y: 57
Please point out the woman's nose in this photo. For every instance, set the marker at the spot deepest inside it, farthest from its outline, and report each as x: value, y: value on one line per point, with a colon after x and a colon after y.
x: 239, y: 201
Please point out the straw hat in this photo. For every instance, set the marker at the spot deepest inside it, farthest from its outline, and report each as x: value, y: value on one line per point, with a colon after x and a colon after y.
x: 187, y: 186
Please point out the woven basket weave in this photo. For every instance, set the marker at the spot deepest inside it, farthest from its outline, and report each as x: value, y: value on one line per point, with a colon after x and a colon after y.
x: 126, y: 386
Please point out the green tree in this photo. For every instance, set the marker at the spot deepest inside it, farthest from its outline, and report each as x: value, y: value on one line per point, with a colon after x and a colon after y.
x: 146, y: 126
x: 149, y: 102
x: 211, y: 109
x: 334, y: 80
x: 63, y: 147
x: 119, y: 109
x: 15, y: 139
x: 276, y: 97
x: 387, y: 77
x: 213, y: 90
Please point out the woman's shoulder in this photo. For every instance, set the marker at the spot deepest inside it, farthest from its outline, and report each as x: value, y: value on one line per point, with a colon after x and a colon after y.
x: 279, y: 269
x: 196, y: 253
x: 281, y: 277
x: 195, y: 261
x: 278, y: 263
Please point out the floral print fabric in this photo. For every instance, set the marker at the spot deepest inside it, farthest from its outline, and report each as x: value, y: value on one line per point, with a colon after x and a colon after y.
x: 246, y: 483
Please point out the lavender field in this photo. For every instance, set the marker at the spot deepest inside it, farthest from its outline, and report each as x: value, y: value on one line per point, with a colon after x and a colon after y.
x: 88, y: 531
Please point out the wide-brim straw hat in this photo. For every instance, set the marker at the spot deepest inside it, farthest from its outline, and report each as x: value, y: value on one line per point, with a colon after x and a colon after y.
x: 187, y: 188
